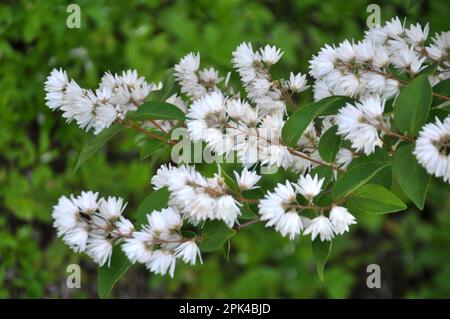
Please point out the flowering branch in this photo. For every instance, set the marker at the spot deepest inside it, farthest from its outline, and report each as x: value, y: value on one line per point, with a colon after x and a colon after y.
x: 254, y: 125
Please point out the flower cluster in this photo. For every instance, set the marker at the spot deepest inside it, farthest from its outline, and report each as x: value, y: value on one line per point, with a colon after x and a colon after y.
x: 115, y: 96
x: 199, y: 198
x: 93, y: 225
x: 281, y: 209
x: 363, y: 68
x: 159, y: 243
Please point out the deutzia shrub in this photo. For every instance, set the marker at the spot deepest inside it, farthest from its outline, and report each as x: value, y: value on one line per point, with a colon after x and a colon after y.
x: 380, y: 114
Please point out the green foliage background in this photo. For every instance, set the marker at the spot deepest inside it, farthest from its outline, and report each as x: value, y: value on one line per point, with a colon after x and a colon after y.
x: 38, y: 150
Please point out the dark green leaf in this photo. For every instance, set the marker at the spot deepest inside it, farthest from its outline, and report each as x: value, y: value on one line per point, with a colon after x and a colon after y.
x: 325, y: 172
x: 168, y: 87
x: 229, y: 181
x: 321, y: 251
x: 355, y: 177
x: 413, y: 105
x: 155, y: 201
x: 96, y: 143
x: 109, y: 276
x: 246, y: 212
x: 412, y: 178
x: 374, y: 199
x: 299, y: 121
x: 149, y: 147
x: 214, y: 235
x: 329, y: 145
x: 157, y: 111
x: 413, y: 3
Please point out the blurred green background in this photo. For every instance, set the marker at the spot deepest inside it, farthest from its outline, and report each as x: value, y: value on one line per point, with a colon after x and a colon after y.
x: 38, y: 150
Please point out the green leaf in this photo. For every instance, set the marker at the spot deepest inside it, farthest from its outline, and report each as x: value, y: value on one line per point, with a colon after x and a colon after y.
x: 355, y: 177
x: 229, y: 181
x: 413, y: 105
x: 109, y: 276
x: 321, y: 251
x: 413, y: 3
x: 157, y: 111
x: 374, y: 199
x: 412, y: 178
x: 299, y: 121
x: 214, y: 235
x: 168, y: 87
x: 329, y: 145
x: 155, y: 201
x: 149, y: 148
x: 246, y: 212
x: 96, y: 143
x: 325, y: 172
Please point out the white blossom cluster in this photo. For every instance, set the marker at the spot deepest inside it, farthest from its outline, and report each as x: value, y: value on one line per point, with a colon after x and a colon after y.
x: 281, y: 209
x: 363, y: 68
x: 159, y: 243
x: 93, y: 225
x: 115, y: 96
x: 199, y: 198
x: 362, y: 123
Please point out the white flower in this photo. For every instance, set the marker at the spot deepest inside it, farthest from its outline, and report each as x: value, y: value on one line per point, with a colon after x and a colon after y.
x: 323, y: 63
x: 432, y: 148
x: 439, y: 49
x: 210, y: 77
x: 406, y: 58
x: 309, y: 187
x: 207, y: 112
x: 340, y: 219
x: 273, y: 206
x: 270, y: 54
x: 321, y: 90
x: 186, y: 75
x: 241, y: 111
x: 162, y: 262
x: 416, y: 34
x: 320, y: 225
x: 100, y: 250
x: 297, y: 82
x: 345, y: 51
x: 247, y: 179
x: 161, y: 178
x: 394, y: 28
x: 344, y: 157
x: 290, y: 224
x: 365, y: 51
x: 244, y: 57
x: 111, y: 208
x: 136, y: 249
x: 56, y: 86
x: 65, y: 215
x: 227, y: 209
x: 124, y: 226
x: 188, y: 252
x: 76, y: 238
x: 87, y: 202
x: 360, y: 123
